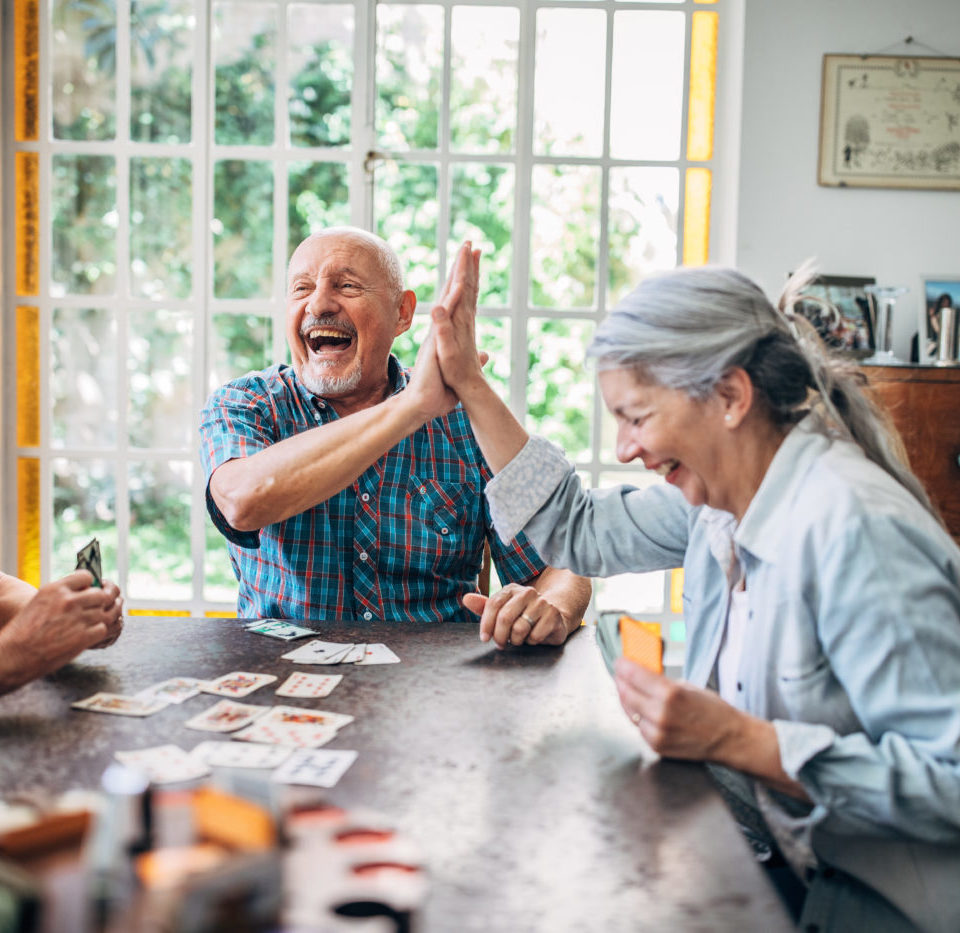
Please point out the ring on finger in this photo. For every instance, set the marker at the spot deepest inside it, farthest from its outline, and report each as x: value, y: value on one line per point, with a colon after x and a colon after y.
x: 528, y: 620
x: 635, y: 718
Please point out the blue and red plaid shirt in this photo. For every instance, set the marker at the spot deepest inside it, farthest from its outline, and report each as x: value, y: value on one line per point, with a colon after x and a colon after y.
x: 403, y: 542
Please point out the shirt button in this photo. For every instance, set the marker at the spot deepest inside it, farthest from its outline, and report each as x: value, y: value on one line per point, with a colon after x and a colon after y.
x: 368, y: 616
x: 423, y: 489
x: 363, y: 555
x: 365, y: 497
x: 444, y: 531
x: 739, y: 686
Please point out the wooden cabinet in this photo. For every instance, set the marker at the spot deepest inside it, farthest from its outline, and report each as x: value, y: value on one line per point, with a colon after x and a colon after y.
x: 924, y: 402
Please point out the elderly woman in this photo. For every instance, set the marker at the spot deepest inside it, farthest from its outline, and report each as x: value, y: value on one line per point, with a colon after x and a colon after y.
x: 821, y: 596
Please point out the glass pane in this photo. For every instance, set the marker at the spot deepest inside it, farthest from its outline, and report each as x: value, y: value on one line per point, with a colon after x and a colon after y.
x: 405, y: 203
x: 646, y: 102
x: 26, y: 71
x: 319, y: 197
x: 696, y: 216
x: 320, y: 63
x: 483, y: 78
x: 569, y: 82
x: 559, y: 383
x: 160, y: 409
x: 703, y: 80
x: 242, y: 229
x: 27, y: 194
x: 84, y: 507
x: 84, y: 63
x: 493, y: 336
x: 481, y: 210
x: 84, y: 259
x: 160, y: 563
x: 406, y: 345
x: 219, y: 581
x: 409, y: 67
x: 564, y: 233
x: 633, y: 593
x: 239, y: 343
x: 161, y: 70
x: 642, y: 226
x: 83, y: 377
x: 244, y: 41
x: 161, y: 212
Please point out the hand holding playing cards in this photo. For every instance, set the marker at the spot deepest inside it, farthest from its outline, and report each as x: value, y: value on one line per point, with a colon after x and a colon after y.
x: 58, y: 622
x: 517, y: 614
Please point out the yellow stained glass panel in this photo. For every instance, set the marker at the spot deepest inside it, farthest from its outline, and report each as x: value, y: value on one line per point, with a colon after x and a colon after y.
x: 676, y: 591
x: 28, y: 520
x: 221, y: 614
x: 26, y: 63
x: 704, y: 1
x: 28, y: 219
x: 703, y: 86
x: 28, y: 377
x: 696, y: 216
x: 158, y: 612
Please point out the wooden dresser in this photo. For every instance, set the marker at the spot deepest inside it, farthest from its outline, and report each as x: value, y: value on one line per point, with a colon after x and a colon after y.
x: 925, y: 404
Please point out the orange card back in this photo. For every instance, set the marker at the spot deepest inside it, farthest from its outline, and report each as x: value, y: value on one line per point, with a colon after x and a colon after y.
x: 642, y: 643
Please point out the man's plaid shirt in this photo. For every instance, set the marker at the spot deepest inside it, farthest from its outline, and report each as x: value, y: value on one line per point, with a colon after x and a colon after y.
x: 403, y: 542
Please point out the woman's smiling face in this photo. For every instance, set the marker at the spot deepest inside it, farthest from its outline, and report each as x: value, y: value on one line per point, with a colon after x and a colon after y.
x: 675, y: 435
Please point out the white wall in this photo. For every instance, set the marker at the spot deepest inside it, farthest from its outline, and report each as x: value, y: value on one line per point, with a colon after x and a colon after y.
x: 784, y: 216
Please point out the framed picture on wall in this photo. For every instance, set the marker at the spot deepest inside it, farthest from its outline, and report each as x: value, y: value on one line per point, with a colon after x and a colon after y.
x: 843, y: 317
x: 937, y: 294
x: 890, y: 121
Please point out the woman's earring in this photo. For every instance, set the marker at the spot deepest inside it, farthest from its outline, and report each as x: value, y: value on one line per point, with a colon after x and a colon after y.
x: 728, y: 417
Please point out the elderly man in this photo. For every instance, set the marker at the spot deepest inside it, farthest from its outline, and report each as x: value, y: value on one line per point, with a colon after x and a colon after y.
x: 341, y: 492
x: 41, y: 630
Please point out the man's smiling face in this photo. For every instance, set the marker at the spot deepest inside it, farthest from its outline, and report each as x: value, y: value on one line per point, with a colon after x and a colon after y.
x: 344, y: 309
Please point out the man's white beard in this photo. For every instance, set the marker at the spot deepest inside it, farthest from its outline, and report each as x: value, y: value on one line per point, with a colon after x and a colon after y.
x: 331, y: 386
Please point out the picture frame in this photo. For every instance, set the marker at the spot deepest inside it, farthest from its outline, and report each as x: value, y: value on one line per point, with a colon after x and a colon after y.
x: 934, y: 292
x: 889, y: 121
x: 845, y: 320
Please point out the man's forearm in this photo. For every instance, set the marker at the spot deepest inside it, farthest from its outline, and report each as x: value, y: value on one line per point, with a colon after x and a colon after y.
x: 299, y: 472
x: 14, y: 595
x: 568, y: 592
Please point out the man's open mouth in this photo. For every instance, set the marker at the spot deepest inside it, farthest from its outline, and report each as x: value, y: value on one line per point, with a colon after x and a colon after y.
x: 327, y: 339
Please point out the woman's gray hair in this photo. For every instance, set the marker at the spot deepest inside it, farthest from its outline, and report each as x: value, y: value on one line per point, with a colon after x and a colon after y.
x: 687, y: 328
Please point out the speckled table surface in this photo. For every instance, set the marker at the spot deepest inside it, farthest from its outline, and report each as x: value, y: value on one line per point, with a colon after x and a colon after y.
x: 514, y: 772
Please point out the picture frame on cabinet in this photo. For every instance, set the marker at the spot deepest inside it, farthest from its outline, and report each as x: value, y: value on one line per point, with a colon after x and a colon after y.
x: 840, y: 310
x: 937, y: 292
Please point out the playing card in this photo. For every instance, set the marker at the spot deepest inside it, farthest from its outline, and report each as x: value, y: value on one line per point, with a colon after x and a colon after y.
x: 294, y: 735
x: 278, y: 628
x: 234, y: 755
x: 315, y: 768
x: 354, y: 655
x: 317, y: 652
x: 88, y: 558
x: 120, y: 705
x: 300, y: 684
x: 174, y: 690
x: 298, y: 716
x: 642, y: 643
x: 237, y: 683
x: 164, y: 764
x: 225, y: 716
x: 378, y: 654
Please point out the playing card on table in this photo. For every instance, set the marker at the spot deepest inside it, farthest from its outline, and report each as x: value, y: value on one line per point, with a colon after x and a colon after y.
x: 174, y: 690
x: 642, y: 643
x: 164, y: 764
x: 298, y: 716
x: 315, y: 768
x: 300, y: 684
x: 225, y: 716
x: 352, y: 656
x: 88, y: 558
x: 294, y: 735
x: 234, y: 755
x: 278, y: 628
x: 120, y: 705
x: 237, y: 683
x: 317, y: 652
x: 378, y: 654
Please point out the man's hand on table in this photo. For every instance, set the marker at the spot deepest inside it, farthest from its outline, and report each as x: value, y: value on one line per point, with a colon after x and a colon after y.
x: 518, y: 614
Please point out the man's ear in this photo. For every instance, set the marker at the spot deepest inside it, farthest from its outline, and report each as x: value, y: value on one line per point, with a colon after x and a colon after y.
x: 736, y: 393
x: 408, y: 304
